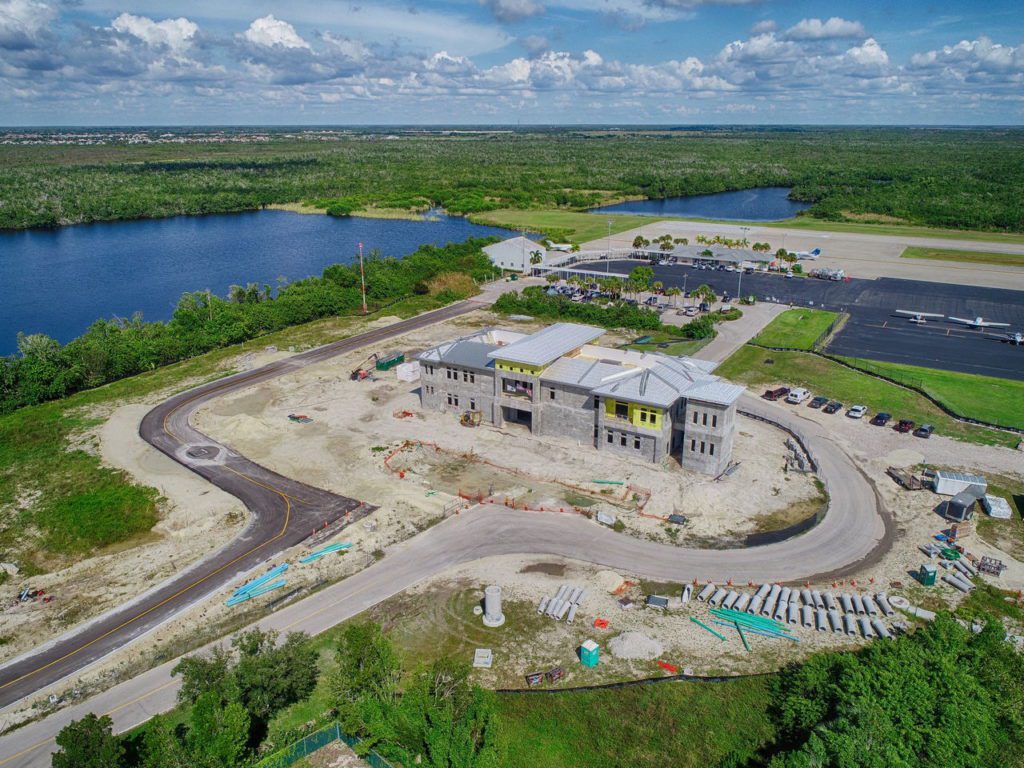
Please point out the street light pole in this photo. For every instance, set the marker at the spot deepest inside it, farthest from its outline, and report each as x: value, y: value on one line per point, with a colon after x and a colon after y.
x: 608, y: 261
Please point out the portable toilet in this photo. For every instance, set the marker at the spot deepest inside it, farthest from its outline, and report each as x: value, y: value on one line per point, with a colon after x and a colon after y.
x: 927, y: 574
x: 589, y: 653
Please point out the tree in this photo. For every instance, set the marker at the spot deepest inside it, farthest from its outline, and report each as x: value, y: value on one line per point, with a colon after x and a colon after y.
x: 88, y: 743
x: 641, y: 276
x: 707, y: 253
x: 536, y: 257
x: 639, y: 242
x: 704, y: 292
x: 674, y: 292
x: 657, y: 286
x: 552, y: 277
x: 364, y: 687
x: 681, y: 241
x: 219, y: 731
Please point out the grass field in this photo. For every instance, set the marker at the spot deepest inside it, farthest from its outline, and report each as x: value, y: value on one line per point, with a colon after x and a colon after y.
x: 684, y: 347
x: 970, y: 257
x: 797, y: 328
x: 750, y: 366
x: 580, y: 226
x: 1007, y: 535
x: 999, y: 401
x: 669, y: 724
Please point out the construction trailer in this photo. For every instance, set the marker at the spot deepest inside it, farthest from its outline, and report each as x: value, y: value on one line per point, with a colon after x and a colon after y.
x: 961, y: 507
x: 948, y: 483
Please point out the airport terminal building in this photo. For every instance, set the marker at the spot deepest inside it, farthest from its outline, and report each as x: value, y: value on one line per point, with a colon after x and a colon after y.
x: 556, y: 382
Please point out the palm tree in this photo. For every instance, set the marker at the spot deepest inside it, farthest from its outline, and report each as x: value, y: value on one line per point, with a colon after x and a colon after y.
x: 657, y: 286
x: 703, y: 293
x: 681, y: 241
x: 674, y: 292
x: 536, y: 257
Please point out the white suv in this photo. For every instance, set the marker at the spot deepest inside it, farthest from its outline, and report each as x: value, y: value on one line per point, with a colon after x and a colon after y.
x: 857, y: 411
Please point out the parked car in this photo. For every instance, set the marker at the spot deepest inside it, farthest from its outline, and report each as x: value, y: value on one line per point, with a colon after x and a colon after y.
x: 818, y: 402
x: 881, y: 419
x: 904, y: 425
x: 925, y: 431
x: 857, y: 411
x: 834, y: 407
x: 797, y: 396
x: 775, y: 394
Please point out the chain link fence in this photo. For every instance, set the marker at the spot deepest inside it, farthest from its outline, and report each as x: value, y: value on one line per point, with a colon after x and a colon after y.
x: 317, y: 740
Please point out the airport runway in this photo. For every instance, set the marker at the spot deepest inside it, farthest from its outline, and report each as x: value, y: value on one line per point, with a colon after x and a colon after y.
x: 874, y: 331
x: 283, y: 513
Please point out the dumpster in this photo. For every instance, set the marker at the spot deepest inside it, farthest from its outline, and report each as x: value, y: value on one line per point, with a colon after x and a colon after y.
x: 388, y: 361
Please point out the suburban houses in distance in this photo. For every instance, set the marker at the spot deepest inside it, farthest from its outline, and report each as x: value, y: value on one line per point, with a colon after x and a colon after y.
x: 556, y: 382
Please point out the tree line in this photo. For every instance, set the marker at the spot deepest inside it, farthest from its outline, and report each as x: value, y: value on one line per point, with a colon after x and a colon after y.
x: 962, y: 179
x: 43, y: 369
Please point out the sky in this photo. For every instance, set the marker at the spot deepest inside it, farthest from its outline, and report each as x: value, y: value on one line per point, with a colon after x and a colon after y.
x: 474, y: 62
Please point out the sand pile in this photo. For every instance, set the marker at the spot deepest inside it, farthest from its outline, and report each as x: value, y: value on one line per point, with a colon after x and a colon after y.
x: 634, y: 645
x: 610, y: 581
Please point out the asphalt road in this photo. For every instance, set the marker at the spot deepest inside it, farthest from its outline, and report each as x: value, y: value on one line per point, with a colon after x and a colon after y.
x: 283, y: 512
x: 874, y: 331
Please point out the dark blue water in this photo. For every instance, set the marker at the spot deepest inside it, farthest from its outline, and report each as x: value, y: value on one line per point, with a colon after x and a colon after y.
x: 762, y: 204
x: 59, y: 281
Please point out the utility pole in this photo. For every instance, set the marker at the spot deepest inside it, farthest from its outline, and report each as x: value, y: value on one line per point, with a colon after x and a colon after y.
x: 362, y: 278
x: 608, y: 261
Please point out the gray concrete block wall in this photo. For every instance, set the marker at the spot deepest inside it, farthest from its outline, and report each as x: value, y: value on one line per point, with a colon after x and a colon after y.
x: 472, y: 395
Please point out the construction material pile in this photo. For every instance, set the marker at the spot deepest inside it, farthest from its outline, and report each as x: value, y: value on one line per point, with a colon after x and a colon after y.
x: 634, y: 645
x: 564, y: 604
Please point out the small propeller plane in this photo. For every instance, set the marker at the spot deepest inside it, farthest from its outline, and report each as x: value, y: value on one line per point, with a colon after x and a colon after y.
x: 1016, y: 338
x: 978, y: 322
x: 918, y: 317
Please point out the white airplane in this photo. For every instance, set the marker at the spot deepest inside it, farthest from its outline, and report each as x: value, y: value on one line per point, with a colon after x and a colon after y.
x: 1016, y: 338
x: 918, y: 317
x: 978, y: 322
x: 812, y: 255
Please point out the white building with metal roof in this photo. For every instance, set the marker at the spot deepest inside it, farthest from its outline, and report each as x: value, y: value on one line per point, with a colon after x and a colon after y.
x: 516, y: 254
x: 556, y: 382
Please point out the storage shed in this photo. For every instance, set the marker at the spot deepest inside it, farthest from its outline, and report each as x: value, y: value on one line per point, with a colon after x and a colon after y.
x: 949, y: 483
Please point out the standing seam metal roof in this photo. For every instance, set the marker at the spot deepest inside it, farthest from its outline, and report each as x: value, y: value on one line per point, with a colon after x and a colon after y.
x: 548, y: 344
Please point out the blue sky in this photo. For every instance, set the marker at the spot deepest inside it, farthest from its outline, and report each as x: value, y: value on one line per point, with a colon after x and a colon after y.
x: 160, y: 62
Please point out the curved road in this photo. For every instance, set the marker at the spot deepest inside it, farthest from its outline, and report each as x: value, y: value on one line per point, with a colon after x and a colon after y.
x: 854, y: 533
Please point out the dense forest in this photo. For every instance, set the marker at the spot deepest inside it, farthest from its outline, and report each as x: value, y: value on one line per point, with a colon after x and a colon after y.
x: 968, y: 179
x: 110, y: 350
x: 941, y: 697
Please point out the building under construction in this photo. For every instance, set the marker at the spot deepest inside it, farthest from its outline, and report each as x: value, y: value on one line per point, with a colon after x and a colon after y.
x: 556, y: 382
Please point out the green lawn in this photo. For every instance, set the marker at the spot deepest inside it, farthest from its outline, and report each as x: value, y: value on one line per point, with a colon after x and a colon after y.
x: 970, y: 257
x: 797, y: 328
x: 580, y: 226
x: 750, y: 365
x: 684, y: 347
x: 999, y: 401
x: 668, y: 724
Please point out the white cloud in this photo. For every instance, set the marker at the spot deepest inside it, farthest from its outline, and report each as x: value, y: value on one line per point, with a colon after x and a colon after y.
x: 816, y: 29
x: 766, y: 25
x: 24, y: 23
x: 270, y: 32
x: 175, y: 34
x: 513, y: 10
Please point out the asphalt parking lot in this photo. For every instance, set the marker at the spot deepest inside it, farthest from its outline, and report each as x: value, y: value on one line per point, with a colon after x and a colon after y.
x: 874, y: 331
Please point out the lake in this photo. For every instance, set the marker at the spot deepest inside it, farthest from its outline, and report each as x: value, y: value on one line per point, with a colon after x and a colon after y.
x: 761, y: 204
x: 59, y: 281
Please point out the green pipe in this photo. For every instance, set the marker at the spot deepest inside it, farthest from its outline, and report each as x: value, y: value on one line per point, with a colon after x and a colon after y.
x: 761, y: 632
x: 700, y: 623
x: 747, y: 620
x: 742, y: 637
x: 609, y: 482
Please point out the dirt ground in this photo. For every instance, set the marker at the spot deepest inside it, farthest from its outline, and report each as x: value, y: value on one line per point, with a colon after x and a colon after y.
x: 356, y: 425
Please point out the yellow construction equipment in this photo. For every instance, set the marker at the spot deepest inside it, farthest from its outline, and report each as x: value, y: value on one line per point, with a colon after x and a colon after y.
x: 471, y: 419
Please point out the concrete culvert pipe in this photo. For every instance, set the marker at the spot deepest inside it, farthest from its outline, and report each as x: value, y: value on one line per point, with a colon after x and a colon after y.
x: 706, y: 593
x: 805, y: 597
x: 560, y: 594
x: 580, y: 596
x: 730, y: 599
x: 883, y: 604
x: 780, y: 611
x: 687, y: 594
x: 869, y: 606
x: 820, y: 620
x: 849, y: 625
x: 755, y: 605
x: 835, y: 621
x: 575, y: 596
x: 741, y: 602
x: 807, y: 616
x: 830, y: 602
x: 493, y: 617
x: 785, y: 595
x: 768, y: 609
x: 553, y: 607
x: 968, y: 566
x: 960, y: 584
x: 564, y: 609
x: 793, y: 613
x: 880, y: 629
x: 858, y: 606
x: 542, y: 605
x: 819, y: 601
x: 573, y: 607
x: 763, y: 591
x: 846, y: 602
x: 774, y: 592
x: 865, y: 627
x: 718, y: 597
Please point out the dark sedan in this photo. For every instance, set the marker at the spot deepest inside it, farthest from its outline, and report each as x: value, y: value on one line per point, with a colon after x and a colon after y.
x: 881, y: 419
